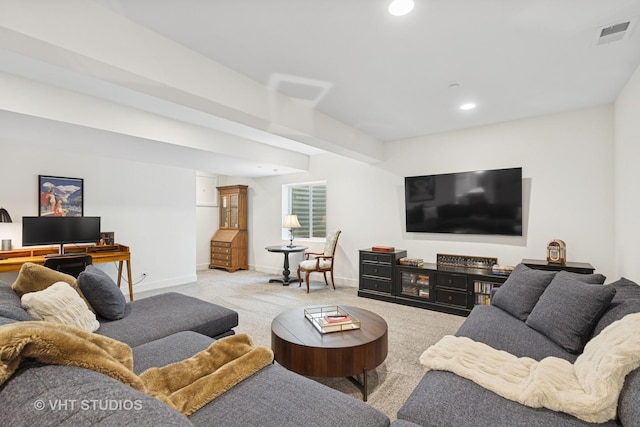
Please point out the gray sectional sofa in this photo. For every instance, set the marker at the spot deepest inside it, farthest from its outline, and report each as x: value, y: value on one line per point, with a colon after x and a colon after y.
x: 163, y: 329
x: 515, y: 322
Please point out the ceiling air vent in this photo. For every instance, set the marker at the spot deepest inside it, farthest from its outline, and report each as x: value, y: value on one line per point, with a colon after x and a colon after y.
x: 613, y: 33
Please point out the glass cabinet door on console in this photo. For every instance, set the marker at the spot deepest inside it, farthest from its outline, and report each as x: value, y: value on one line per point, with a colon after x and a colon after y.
x: 415, y: 283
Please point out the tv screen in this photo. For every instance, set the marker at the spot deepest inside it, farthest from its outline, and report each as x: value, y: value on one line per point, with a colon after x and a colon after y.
x: 478, y: 202
x: 47, y: 230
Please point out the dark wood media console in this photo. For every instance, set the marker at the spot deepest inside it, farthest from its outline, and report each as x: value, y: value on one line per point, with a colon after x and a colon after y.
x: 454, y: 290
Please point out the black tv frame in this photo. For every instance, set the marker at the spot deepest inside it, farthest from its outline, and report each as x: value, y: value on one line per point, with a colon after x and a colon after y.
x: 463, y: 217
x: 50, y: 230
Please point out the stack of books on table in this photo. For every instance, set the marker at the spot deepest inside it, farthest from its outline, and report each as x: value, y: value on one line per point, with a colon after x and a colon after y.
x: 334, y: 319
x: 412, y: 262
x: 331, y: 319
x: 501, y: 269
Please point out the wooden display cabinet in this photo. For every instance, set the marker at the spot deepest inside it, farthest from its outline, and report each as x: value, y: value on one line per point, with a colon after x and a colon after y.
x: 230, y: 244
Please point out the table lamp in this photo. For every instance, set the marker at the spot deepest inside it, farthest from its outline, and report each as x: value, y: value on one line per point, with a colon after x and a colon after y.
x: 290, y: 221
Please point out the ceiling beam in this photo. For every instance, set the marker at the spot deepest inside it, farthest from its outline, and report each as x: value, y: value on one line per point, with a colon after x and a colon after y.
x: 84, y: 37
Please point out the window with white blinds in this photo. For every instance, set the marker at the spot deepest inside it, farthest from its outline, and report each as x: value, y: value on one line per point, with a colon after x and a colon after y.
x: 309, y: 203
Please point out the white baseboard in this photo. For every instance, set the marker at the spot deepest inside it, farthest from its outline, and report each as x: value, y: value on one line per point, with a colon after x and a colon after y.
x: 159, y: 284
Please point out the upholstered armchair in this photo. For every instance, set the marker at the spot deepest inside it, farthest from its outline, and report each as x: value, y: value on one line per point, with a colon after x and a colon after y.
x: 320, y: 262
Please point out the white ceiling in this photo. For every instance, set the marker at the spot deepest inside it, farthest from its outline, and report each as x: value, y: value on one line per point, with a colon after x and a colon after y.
x: 386, y: 78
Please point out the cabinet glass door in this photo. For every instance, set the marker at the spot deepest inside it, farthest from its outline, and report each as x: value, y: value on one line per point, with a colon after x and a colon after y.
x: 234, y: 210
x: 224, y: 218
x: 414, y: 284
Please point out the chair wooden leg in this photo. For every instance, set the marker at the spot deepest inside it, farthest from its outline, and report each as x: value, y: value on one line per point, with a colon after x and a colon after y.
x: 325, y: 278
x: 333, y: 282
x: 307, y: 280
x: 299, y: 278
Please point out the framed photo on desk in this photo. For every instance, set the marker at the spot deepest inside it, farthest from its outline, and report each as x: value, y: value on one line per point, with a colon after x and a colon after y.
x: 107, y: 238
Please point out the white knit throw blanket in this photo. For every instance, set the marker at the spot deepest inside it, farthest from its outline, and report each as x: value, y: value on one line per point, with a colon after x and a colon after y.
x: 587, y: 389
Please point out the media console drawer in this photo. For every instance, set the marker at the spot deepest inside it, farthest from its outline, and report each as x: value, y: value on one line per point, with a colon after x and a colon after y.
x: 377, y: 257
x: 376, y: 285
x: 378, y: 270
x: 450, y: 280
x: 460, y: 299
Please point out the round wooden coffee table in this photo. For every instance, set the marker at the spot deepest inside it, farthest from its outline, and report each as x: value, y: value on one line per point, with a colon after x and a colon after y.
x: 300, y: 347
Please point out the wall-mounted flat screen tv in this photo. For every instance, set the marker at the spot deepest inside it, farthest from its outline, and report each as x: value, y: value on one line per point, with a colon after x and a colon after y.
x: 47, y: 230
x: 477, y: 202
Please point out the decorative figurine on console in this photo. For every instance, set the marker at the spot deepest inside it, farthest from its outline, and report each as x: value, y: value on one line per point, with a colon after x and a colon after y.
x: 556, y: 252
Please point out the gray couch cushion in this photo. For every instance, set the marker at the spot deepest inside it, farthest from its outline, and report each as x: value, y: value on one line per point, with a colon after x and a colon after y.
x: 155, y: 317
x: 164, y: 351
x: 629, y: 400
x: 6, y: 321
x: 267, y: 398
x: 277, y: 397
x: 498, y: 329
x: 625, y: 301
x: 10, y: 304
x: 445, y: 399
x: 403, y: 423
x: 568, y: 310
x: 521, y: 291
x: 48, y: 395
x: 102, y: 293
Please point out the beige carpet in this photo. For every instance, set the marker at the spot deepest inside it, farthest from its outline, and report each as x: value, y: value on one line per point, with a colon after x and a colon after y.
x: 411, y: 330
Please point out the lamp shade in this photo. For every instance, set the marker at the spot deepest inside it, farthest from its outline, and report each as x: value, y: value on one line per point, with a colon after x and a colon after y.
x: 4, y: 215
x: 290, y: 221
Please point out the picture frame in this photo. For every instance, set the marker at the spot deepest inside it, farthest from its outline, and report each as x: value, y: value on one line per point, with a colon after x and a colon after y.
x: 107, y: 238
x: 60, y: 196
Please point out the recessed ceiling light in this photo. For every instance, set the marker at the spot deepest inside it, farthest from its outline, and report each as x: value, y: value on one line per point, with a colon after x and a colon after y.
x: 468, y: 106
x: 400, y: 7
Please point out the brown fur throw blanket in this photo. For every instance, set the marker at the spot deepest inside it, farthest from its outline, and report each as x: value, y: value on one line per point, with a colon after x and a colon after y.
x: 187, y: 385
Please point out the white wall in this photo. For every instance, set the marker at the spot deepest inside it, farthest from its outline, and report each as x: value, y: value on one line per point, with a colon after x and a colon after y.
x: 567, y: 162
x: 206, y: 216
x: 150, y: 208
x: 627, y: 178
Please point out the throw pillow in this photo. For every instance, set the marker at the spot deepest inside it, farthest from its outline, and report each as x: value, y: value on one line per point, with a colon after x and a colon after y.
x: 34, y: 277
x: 102, y: 293
x: 521, y: 291
x: 59, y: 303
x: 568, y: 310
x: 595, y: 279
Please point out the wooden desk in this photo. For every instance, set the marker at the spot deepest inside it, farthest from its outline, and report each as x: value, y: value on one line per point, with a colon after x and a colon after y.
x: 100, y: 254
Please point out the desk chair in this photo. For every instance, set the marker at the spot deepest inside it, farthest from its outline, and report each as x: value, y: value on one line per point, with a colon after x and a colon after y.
x: 69, y: 264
